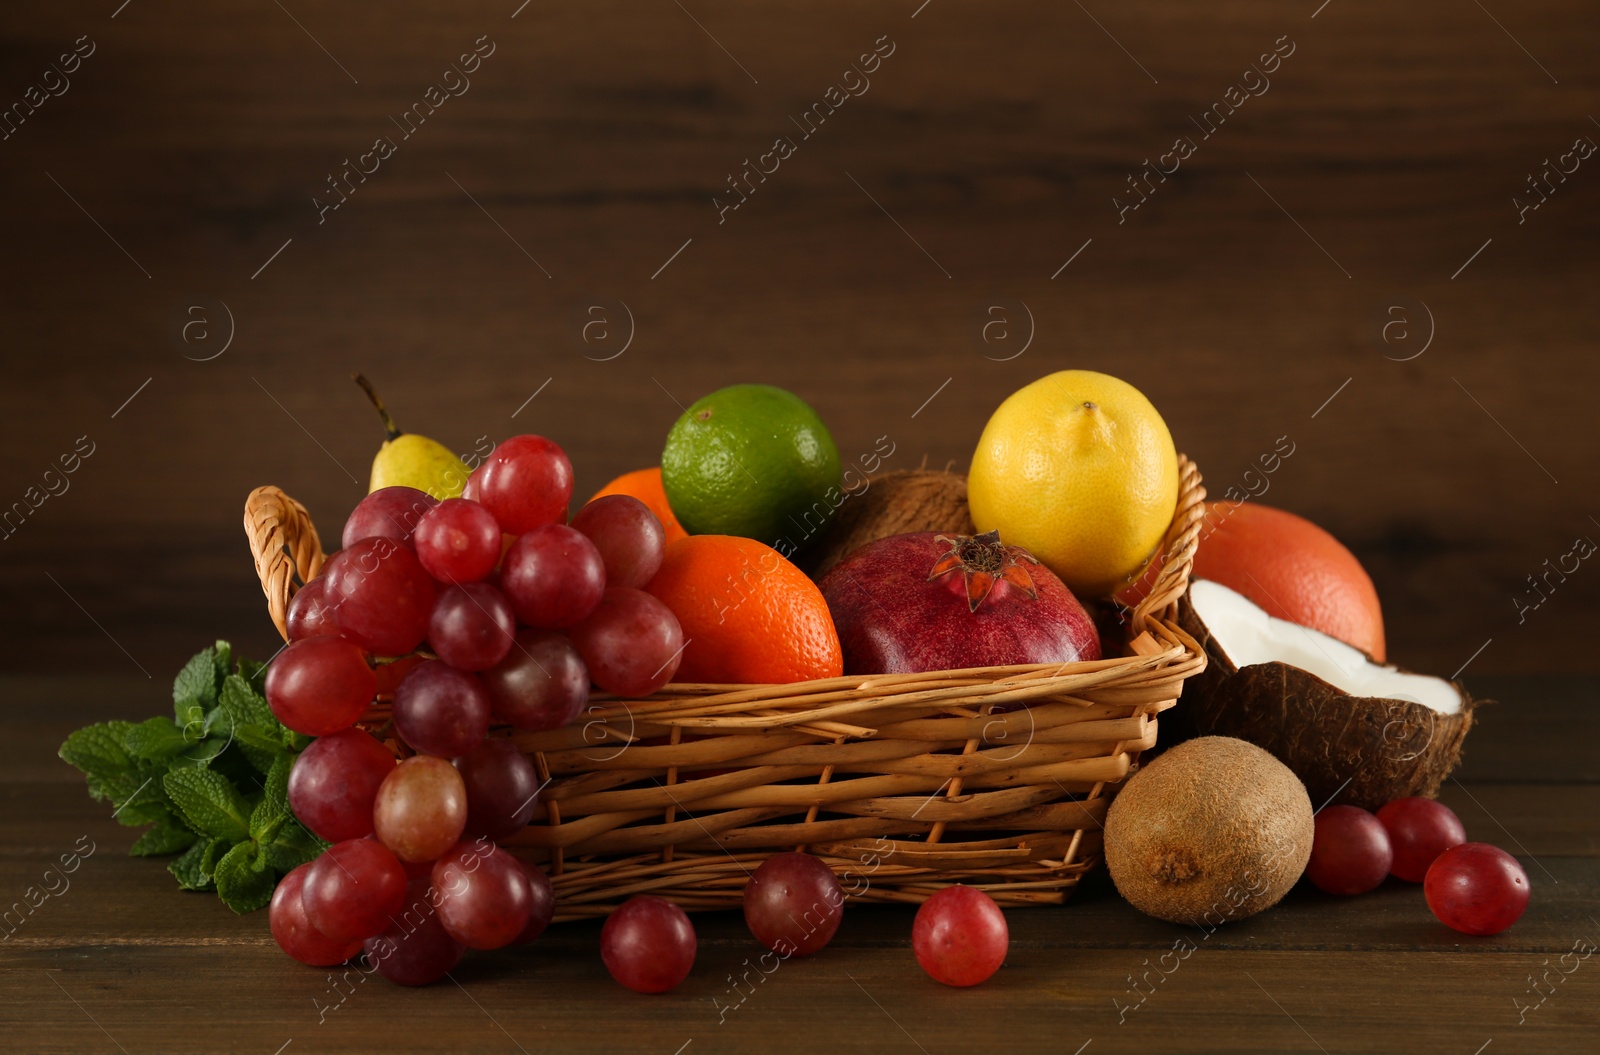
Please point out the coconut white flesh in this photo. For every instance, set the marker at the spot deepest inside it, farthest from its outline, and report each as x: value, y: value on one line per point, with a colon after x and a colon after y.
x: 1249, y: 636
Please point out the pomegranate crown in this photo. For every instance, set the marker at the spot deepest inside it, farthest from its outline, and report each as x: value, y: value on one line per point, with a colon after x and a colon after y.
x: 983, y: 560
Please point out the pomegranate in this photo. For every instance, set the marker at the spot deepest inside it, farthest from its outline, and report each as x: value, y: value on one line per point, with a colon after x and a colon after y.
x: 926, y: 601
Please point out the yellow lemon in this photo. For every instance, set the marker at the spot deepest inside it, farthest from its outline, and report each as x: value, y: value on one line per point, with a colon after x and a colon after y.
x: 1079, y: 469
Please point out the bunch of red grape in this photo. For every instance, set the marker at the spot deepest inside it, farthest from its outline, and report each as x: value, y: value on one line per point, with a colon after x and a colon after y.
x: 484, y: 608
x: 1474, y: 888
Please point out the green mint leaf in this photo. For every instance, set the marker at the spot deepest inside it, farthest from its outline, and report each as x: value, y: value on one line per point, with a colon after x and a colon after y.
x: 257, y: 737
x: 99, y: 750
x: 244, y: 704
x: 272, y: 812
x: 259, y: 749
x: 156, y: 740
x: 250, y: 723
x: 214, y: 853
x: 139, y: 816
x: 194, y: 779
x: 198, y: 678
x: 140, y: 799
x: 222, y: 654
x: 294, y: 847
x: 245, y: 774
x: 209, y: 803
x: 242, y: 884
x: 187, y: 868
x: 217, y: 725
x: 165, y: 838
x: 254, y: 673
x: 261, y: 760
x: 194, y: 691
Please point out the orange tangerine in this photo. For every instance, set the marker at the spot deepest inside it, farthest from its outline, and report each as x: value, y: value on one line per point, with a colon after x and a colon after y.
x: 748, y: 615
x: 645, y: 485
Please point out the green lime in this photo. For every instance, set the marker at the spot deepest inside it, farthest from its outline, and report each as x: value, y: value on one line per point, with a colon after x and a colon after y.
x: 755, y: 461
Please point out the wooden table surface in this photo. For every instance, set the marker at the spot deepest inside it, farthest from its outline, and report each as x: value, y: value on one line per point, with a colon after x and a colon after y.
x: 123, y: 961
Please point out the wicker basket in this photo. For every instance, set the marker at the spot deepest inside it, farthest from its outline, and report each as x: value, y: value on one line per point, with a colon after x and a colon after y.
x: 998, y: 777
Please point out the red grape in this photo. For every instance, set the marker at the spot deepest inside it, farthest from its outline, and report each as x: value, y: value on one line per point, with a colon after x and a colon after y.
x: 1476, y: 888
x: 440, y: 710
x: 415, y: 949
x: 458, y: 541
x: 293, y: 931
x: 421, y: 808
x: 484, y: 900
x: 526, y: 482
x: 1350, y: 851
x: 417, y: 869
x: 309, y: 612
x: 960, y: 936
x: 541, y: 684
x: 502, y: 789
x: 793, y: 904
x: 472, y: 626
x: 553, y: 576
x: 320, y: 685
x: 390, y: 673
x: 1419, y: 831
x: 352, y: 889
x: 389, y: 512
x: 542, y: 902
x: 382, y: 594
x: 648, y: 944
x: 630, y: 539
x: 632, y: 644
x: 334, y: 782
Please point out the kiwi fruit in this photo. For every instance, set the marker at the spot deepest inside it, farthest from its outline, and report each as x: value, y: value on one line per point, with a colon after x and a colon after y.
x: 1215, y: 829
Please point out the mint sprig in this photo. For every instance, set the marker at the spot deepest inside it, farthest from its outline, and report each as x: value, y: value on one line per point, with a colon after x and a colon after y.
x: 212, y: 781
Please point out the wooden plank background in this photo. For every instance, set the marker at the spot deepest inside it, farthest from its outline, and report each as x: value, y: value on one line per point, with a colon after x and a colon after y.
x: 122, y: 959
x: 586, y: 152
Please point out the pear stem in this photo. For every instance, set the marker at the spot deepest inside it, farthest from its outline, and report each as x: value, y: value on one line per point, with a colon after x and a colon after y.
x: 383, y: 412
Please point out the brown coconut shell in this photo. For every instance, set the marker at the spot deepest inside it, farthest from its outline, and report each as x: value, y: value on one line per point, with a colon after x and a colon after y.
x: 891, y: 503
x: 1358, y: 750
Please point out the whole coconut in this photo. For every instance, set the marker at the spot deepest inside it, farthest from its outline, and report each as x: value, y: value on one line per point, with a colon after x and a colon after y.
x: 891, y: 503
x: 1213, y: 830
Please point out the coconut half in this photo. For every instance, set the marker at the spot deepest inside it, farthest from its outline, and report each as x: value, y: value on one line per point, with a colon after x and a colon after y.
x: 1353, y: 730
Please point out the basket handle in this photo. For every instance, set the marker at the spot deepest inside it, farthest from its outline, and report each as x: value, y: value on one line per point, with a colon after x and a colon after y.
x: 1183, y: 538
x: 285, y: 545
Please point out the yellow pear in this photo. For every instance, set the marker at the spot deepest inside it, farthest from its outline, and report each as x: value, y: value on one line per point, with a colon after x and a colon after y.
x: 409, y: 460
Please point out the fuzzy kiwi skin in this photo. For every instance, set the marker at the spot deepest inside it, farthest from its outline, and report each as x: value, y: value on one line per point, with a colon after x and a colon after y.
x: 1215, y: 829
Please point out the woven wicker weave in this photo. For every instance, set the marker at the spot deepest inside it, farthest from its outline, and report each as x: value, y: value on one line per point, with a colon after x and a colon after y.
x: 998, y: 777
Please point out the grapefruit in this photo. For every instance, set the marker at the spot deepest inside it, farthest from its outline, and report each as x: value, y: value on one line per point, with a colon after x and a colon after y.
x: 1291, y: 568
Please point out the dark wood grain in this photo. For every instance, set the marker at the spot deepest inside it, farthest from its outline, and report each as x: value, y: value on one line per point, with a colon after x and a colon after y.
x: 121, y: 960
x: 596, y: 135
x: 152, y: 965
